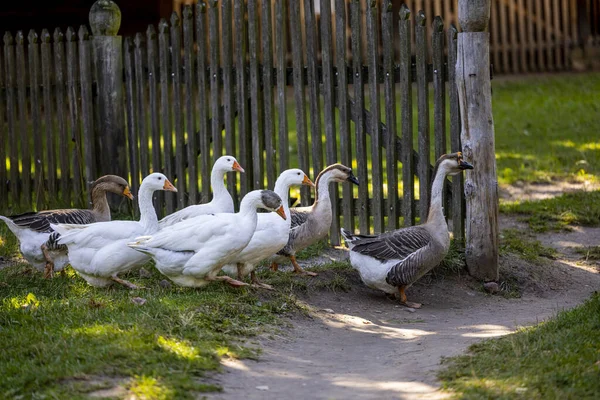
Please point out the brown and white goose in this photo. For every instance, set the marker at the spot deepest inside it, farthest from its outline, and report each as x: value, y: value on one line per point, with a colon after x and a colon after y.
x: 38, y: 241
x: 393, y: 261
x: 311, y: 224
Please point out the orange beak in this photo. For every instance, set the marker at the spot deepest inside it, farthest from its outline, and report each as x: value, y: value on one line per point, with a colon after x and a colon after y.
x: 307, y: 181
x: 168, y: 186
x: 281, y: 212
x: 127, y: 193
x: 237, y: 167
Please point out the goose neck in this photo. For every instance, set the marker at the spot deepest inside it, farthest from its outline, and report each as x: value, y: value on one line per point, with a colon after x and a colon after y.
x: 100, y: 205
x: 217, y: 182
x: 283, y: 190
x: 148, y: 217
x: 436, y: 211
x: 322, y: 185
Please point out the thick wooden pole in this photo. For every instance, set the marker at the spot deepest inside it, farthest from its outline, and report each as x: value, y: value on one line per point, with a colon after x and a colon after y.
x: 477, y: 137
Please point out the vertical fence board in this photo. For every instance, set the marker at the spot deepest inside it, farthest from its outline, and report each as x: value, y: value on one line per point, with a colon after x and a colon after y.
x: 3, y: 136
x: 523, y: 37
x: 50, y: 143
x: 567, y: 39
x: 203, y: 128
x: 514, y: 42
x: 87, y: 105
x: 541, y: 43
x: 408, y: 191
x: 190, y: 102
x: 299, y: 93
x: 547, y: 18
x: 228, y: 98
x: 167, y: 135
x: 344, y: 111
x: 387, y: 39
x: 557, y: 34
x: 313, y: 86
x: 329, y: 113
x: 153, y: 78
x: 495, y: 44
x: 255, y: 97
x: 23, y: 131
x: 11, y: 117
x: 63, y: 142
x: 130, y: 105
x: 439, y: 87
x: 34, y: 82
x: 245, y: 153
x: 280, y: 55
x: 531, y: 37
x: 213, y: 22
x: 458, y: 222
x: 423, y: 114
x: 376, y: 143
x: 267, y: 78
x: 177, y: 108
x: 141, y: 104
x: 504, y: 46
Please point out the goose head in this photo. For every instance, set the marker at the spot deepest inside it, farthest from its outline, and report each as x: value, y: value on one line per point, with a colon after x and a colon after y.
x: 158, y: 181
x: 227, y: 164
x: 452, y: 164
x: 271, y: 201
x: 294, y: 176
x: 113, y: 184
x: 339, y: 173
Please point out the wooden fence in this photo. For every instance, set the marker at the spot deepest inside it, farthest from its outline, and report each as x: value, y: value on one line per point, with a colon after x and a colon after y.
x: 217, y: 81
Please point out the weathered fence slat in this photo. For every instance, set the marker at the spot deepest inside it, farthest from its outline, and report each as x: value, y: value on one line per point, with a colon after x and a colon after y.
x: 408, y: 194
x: 87, y: 107
x: 34, y: 82
x: 190, y: 104
x: 513, y: 42
x: 530, y: 37
x: 153, y: 79
x: 422, y: 112
x: 3, y: 135
x: 439, y: 87
x: 344, y: 110
x: 376, y: 143
x: 228, y: 88
x: 359, y: 112
x: 557, y: 45
x: 548, y: 38
x: 22, y: 110
x: 255, y: 96
x: 11, y: 116
x: 63, y: 142
x: 165, y: 111
x: 329, y: 113
x: 313, y: 86
x: 177, y: 109
x: 213, y: 22
x: 522, y: 36
x: 244, y: 133
x: 203, y: 128
x: 268, y: 101
x: 458, y: 223
x: 74, y: 115
x: 50, y: 143
x: 299, y: 94
x: 131, y: 114
x: 280, y: 53
x: 541, y: 43
x: 387, y: 31
x: 141, y: 104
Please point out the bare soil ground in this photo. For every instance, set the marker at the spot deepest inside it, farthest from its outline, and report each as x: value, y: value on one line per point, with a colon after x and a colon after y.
x: 361, y: 344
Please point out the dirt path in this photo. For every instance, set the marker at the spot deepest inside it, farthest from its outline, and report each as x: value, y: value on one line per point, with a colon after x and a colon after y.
x: 362, y: 345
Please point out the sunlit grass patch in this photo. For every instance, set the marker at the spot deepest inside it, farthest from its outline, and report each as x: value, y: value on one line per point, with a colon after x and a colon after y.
x: 524, y: 245
x: 558, y: 359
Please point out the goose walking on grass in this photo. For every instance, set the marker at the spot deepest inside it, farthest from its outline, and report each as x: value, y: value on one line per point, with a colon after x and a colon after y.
x: 311, y: 224
x: 38, y: 241
x: 393, y: 261
x: 271, y: 233
x: 221, y: 201
x: 99, y: 252
x: 191, y: 253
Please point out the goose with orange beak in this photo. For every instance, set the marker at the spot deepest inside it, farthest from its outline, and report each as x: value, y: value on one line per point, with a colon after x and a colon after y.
x: 191, y: 253
x: 99, y: 252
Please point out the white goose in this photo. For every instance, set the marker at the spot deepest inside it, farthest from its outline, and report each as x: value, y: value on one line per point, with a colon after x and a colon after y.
x: 99, y: 252
x: 191, y: 253
x: 221, y: 201
x: 37, y: 240
x: 271, y: 233
x: 392, y: 261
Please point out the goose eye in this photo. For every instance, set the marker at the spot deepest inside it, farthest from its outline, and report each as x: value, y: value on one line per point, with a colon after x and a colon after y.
x: 228, y: 159
x: 160, y: 178
x: 298, y: 173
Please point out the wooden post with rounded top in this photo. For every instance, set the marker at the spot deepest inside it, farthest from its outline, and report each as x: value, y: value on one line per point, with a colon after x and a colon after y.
x: 477, y: 137
x: 105, y: 20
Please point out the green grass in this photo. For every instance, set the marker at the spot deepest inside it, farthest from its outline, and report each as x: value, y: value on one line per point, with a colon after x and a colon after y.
x: 9, y: 245
x: 524, y: 245
x: 557, y: 359
x: 591, y: 253
x: 578, y: 208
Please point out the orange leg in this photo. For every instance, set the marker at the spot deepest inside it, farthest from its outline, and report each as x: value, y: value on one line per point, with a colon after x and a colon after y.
x: 229, y: 280
x: 404, y: 301
x: 298, y: 269
x: 274, y: 266
x: 257, y: 283
x: 49, y: 269
x: 124, y: 283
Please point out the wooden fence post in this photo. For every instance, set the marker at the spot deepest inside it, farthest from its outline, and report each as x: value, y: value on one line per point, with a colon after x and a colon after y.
x: 105, y: 19
x: 477, y: 137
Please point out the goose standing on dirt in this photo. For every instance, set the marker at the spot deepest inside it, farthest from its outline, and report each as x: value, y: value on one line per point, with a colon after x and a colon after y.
x: 271, y: 233
x: 191, y: 253
x: 311, y: 224
x: 99, y: 252
x: 221, y: 201
x: 393, y: 261
x: 38, y: 241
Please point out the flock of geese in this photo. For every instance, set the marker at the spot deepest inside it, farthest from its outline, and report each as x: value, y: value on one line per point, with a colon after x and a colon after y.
x: 195, y: 244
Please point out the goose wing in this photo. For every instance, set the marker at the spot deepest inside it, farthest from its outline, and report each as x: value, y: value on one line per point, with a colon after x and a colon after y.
x: 40, y: 221
x: 397, y: 244
x: 299, y: 216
